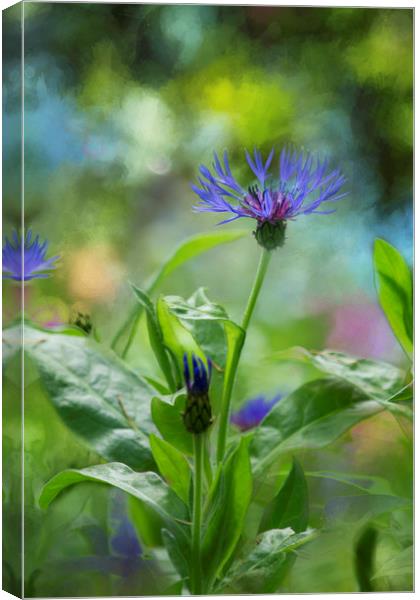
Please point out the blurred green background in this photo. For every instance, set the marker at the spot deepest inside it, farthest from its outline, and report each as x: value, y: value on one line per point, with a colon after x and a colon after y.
x: 122, y: 104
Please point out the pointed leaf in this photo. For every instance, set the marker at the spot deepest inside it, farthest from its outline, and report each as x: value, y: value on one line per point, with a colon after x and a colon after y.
x: 290, y: 508
x: 395, y: 291
x: 173, y: 466
x: 312, y: 416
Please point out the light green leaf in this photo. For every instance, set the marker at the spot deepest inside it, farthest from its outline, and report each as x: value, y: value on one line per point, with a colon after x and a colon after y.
x: 98, y: 396
x: 290, y: 508
x: 359, y: 484
x: 187, y: 250
x: 395, y: 291
x: 264, y: 568
x: 146, y: 522
x: 168, y: 419
x: 227, y: 508
x: 196, y: 245
x: 156, y: 337
x: 312, y: 416
x: 173, y: 466
x: 205, y: 320
x: 176, y: 337
x: 377, y: 379
x: 399, y: 565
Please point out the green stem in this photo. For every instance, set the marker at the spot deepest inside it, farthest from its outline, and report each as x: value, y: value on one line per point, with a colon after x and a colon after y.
x: 196, y: 577
x: 236, y: 355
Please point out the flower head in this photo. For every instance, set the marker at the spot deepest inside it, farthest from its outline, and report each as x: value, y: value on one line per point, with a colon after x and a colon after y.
x: 303, y: 185
x: 197, y: 416
x: 30, y: 258
x: 253, y: 412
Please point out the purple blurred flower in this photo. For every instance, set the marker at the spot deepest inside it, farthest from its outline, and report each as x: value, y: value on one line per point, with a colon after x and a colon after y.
x: 253, y: 412
x: 303, y: 185
x: 32, y: 257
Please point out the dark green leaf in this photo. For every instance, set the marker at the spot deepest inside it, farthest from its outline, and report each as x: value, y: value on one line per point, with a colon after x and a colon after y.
x: 313, y: 416
x: 226, y: 512
x: 395, y: 291
x: 364, y: 558
x: 98, y: 396
x: 176, y: 553
x: 290, y: 508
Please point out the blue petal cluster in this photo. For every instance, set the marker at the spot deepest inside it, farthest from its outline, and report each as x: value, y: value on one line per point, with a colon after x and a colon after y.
x: 31, y: 259
x: 253, y: 412
x: 197, y: 382
x: 303, y: 185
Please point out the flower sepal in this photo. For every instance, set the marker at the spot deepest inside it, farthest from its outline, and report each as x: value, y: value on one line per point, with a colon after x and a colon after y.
x: 271, y: 235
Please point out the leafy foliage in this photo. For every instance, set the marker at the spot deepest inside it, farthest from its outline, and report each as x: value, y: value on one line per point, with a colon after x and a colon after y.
x: 97, y: 395
x: 395, y: 291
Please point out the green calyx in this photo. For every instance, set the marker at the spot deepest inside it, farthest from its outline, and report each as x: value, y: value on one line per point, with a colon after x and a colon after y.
x: 197, y: 416
x: 271, y: 235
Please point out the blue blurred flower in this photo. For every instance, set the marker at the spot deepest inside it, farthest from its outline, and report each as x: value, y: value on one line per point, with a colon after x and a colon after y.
x: 31, y: 257
x: 304, y: 184
x: 253, y: 412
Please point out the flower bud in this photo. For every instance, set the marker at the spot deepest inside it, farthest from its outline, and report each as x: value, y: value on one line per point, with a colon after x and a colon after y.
x: 197, y: 416
x: 271, y: 235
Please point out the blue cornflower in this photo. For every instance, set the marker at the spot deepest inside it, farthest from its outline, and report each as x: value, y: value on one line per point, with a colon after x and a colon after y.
x: 253, y: 412
x: 32, y: 258
x: 197, y: 415
x: 303, y: 185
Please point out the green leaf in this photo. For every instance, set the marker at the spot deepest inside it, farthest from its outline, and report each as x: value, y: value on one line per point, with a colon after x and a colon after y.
x: 98, y: 396
x: 264, y: 568
x: 395, y: 291
x: 176, y: 337
x: 205, y: 320
x: 175, y: 553
x: 187, y: 250
x: 168, y: 419
x: 147, y: 487
x: 401, y: 564
x: 227, y: 508
x: 156, y: 337
x: 147, y: 524
x: 173, y: 466
x: 196, y: 245
x: 312, y: 416
x: 290, y: 508
x: 377, y: 379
